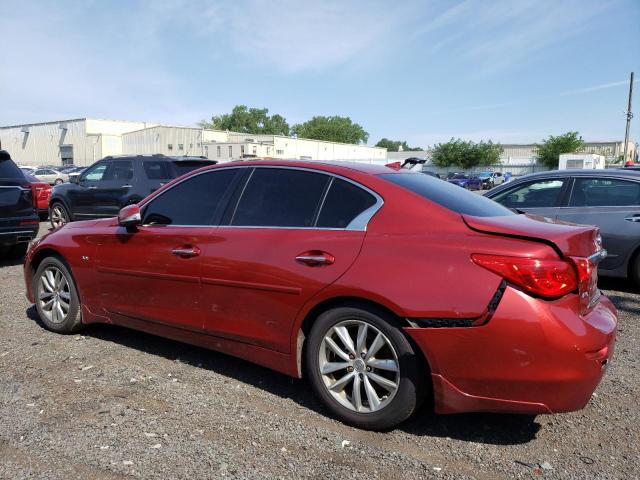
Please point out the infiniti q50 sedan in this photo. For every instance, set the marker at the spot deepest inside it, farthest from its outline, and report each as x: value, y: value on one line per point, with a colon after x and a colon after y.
x: 383, y: 288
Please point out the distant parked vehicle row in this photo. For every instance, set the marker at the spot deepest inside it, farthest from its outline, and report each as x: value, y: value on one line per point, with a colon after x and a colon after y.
x: 102, y: 189
x: 608, y: 199
x: 466, y: 181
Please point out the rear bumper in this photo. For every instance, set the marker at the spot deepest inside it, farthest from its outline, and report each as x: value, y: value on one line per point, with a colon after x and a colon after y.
x: 17, y: 234
x: 532, y: 357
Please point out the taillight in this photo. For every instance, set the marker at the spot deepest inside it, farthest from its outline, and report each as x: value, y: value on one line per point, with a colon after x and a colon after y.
x: 587, y: 281
x: 546, y: 278
x: 34, y: 194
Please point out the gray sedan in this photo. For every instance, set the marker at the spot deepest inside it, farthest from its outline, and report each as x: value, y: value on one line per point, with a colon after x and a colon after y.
x: 608, y: 199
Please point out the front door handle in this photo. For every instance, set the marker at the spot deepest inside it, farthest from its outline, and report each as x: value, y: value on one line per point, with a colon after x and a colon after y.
x: 92, y: 188
x: 125, y: 186
x: 315, y: 258
x: 187, y: 251
x: 633, y: 218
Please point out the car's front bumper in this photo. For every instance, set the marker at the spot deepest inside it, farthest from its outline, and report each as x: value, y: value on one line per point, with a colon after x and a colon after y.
x: 533, y: 356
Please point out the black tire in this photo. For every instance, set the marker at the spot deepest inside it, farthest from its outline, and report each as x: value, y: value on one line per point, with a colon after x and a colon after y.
x: 72, y: 322
x: 58, y: 211
x: 412, y: 369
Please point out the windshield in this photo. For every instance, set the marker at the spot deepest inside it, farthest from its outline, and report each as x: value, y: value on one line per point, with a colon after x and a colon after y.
x: 485, y: 174
x: 448, y: 195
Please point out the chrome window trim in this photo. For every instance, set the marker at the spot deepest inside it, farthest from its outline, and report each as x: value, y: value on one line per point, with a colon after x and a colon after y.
x: 17, y: 186
x: 359, y: 223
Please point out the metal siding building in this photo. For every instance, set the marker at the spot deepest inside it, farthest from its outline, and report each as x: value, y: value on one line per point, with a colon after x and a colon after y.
x: 83, y: 141
x: 80, y: 141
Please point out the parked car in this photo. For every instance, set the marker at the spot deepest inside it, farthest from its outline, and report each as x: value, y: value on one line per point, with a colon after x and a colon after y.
x: 490, y: 179
x: 466, y: 181
x: 74, y: 173
x: 608, y: 199
x: 27, y: 170
x: 18, y: 218
x: 321, y: 270
x: 113, y: 182
x: 50, y: 175
x: 42, y: 192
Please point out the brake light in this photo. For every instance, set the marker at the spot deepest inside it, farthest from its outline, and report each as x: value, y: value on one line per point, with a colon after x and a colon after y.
x: 34, y: 194
x: 546, y: 278
x: 587, y: 282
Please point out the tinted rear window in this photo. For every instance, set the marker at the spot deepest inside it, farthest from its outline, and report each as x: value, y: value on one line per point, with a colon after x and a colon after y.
x: 448, y: 195
x: 343, y: 203
x: 278, y: 197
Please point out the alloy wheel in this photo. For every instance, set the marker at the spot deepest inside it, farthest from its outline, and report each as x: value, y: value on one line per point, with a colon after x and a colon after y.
x: 359, y: 366
x: 58, y: 216
x: 54, y: 294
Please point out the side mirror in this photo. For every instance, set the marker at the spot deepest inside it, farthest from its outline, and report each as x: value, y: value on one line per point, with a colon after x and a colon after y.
x: 74, y: 179
x: 130, y: 216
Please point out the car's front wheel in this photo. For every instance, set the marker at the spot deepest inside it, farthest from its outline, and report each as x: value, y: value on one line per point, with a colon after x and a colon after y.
x: 363, y: 368
x: 58, y: 215
x: 56, y: 296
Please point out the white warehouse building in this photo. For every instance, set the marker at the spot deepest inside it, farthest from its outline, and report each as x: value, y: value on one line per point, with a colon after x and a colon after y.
x: 83, y: 141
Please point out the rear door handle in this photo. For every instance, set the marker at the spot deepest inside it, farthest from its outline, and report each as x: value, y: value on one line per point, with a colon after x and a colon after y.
x: 125, y: 186
x: 633, y: 218
x: 186, y: 251
x: 92, y: 188
x: 315, y: 258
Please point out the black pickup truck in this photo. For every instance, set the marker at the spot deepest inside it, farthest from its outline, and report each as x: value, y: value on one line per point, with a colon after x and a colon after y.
x: 18, y: 215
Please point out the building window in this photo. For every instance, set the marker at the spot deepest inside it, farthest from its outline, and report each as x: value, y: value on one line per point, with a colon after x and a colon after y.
x: 255, y: 150
x: 180, y: 146
x: 242, y: 150
x: 170, y: 146
x: 190, y: 145
x: 230, y: 151
x: 219, y: 152
x: 279, y: 152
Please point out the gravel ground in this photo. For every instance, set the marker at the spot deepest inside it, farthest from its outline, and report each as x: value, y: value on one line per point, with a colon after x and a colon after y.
x: 112, y: 403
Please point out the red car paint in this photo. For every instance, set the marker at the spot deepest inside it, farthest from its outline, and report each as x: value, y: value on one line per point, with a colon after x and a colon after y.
x: 246, y: 295
x: 41, y: 194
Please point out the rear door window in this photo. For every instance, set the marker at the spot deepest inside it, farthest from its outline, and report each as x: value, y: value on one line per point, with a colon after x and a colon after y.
x: 192, y: 202
x: 604, y: 192
x: 278, y: 197
x: 536, y: 194
x: 157, y: 170
x: 119, y: 170
x: 344, y: 202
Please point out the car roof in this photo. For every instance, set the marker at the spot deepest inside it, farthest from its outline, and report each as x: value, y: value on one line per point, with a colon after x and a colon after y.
x: 605, y: 172
x: 324, y: 165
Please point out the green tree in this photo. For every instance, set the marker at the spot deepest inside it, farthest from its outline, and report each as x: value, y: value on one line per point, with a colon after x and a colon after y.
x: 331, y: 129
x: 394, y: 145
x: 457, y: 152
x: 550, y: 149
x: 249, y: 120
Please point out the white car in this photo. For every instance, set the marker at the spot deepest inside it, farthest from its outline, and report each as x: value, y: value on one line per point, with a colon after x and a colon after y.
x: 51, y: 176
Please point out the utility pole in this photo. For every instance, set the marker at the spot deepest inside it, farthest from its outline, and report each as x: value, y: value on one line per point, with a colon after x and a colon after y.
x: 629, y: 117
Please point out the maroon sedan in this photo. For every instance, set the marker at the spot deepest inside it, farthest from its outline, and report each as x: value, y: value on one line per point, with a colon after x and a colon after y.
x: 381, y: 287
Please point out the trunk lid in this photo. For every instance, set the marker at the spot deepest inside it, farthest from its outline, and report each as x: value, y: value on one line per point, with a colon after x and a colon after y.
x: 579, y: 244
x: 567, y: 239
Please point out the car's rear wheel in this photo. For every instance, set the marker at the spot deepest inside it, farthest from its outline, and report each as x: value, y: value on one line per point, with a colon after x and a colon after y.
x: 58, y: 215
x: 56, y: 296
x: 363, y: 368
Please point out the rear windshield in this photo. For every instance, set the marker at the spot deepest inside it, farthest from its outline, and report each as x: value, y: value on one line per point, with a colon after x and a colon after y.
x: 8, y: 169
x: 448, y: 195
